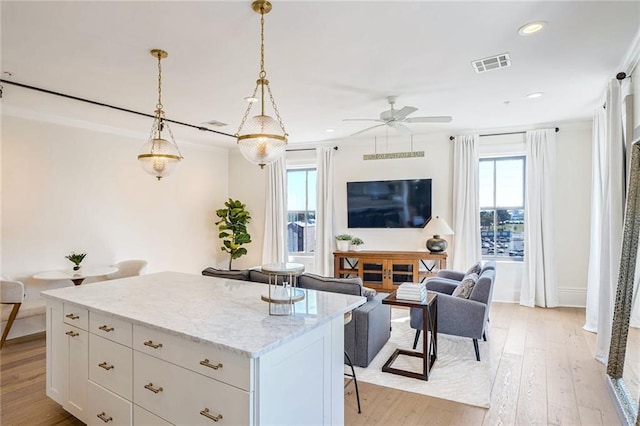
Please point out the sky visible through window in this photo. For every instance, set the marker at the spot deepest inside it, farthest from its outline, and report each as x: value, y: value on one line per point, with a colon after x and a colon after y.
x: 296, y: 196
x: 509, y: 179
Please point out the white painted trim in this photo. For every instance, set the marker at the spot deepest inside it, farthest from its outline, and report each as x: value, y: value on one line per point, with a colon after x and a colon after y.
x: 572, y: 297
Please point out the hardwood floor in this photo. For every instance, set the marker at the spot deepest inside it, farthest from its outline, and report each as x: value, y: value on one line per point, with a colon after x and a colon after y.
x: 541, y: 363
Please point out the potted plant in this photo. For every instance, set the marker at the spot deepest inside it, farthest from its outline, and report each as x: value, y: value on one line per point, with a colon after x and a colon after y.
x: 356, y: 243
x: 342, y: 242
x: 76, y: 259
x: 233, y: 228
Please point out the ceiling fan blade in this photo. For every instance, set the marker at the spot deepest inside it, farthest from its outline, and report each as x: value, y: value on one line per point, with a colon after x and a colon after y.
x: 368, y: 128
x: 434, y: 119
x: 401, y: 128
x: 361, y: 119
x: 403, y: 112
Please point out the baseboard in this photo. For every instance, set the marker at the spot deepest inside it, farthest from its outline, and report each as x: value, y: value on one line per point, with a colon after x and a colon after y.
x: 26, y: 326
x: 572, y: 297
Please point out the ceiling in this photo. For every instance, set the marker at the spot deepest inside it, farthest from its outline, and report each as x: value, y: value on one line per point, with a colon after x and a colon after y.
x: 326, y: 61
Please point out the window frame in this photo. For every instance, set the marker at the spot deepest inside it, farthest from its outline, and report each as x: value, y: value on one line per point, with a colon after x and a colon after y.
x: 495, y: 159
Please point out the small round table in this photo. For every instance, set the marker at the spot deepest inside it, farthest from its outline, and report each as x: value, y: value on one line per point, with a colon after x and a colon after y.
x: 286, y: 293
x: 77, y: 277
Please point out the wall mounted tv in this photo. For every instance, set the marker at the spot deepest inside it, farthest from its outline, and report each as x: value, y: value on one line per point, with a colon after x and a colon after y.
x: 389, y: 203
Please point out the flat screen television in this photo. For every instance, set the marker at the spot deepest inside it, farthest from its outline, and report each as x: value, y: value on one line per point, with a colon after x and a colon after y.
x: 389, y: 203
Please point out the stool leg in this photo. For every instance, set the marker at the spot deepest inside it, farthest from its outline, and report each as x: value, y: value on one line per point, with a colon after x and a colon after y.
x: 12, y: 317
x: 355, y: 381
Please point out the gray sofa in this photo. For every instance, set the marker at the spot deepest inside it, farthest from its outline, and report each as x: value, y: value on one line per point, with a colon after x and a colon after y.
x: 370, y: 327
x: 460, y: 316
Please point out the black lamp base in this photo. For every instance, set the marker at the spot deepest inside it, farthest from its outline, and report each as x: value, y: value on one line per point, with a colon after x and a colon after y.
x: 436, y: 244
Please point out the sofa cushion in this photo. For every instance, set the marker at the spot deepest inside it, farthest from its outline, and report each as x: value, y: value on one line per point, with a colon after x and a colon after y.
x: 475, y: 269
x: 242, y: 275
x: 466, y: 286
x: 336, y: 285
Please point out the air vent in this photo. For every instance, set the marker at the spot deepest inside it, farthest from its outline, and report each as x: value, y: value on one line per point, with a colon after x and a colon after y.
x: 214, y: 123
x: 491, y: 63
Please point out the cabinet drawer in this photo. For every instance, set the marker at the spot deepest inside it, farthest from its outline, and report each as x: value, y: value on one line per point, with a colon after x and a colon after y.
x: 76, y: 316
x: 199, y: 357
x: 111, y: 365
x: 142, y: 417
x: 107, y: 407
x: 111, y: 328
x: 187, y: 397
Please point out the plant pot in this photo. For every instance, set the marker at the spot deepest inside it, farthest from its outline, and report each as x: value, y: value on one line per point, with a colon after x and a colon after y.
x: 342, y: 245
x: 76, y: 268
x: 356, y: 248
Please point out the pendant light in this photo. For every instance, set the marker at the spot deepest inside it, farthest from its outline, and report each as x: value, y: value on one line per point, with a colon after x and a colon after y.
x: 262, y: 139
x: 160, y: 156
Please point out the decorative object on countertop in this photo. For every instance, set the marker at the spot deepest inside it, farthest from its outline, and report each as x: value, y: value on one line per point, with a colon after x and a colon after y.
x: 160, y: 156
x: 343, y: 241
x: 356, y: 244
x: 437, y: 227
x: 283, y: 287
x: 233, y: 228
x: 263, y: 140
x: 76, y: 259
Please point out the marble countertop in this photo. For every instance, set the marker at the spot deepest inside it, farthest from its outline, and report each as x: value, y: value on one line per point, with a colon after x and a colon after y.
x: 228, y: 314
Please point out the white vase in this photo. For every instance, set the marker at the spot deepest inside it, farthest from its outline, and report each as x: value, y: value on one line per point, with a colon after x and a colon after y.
x: 342, y: 245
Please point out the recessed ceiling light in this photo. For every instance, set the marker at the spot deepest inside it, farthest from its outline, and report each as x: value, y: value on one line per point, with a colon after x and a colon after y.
x: 531, y: 28
x: 534, y: 95
x: 251, y: 99
x: 330, y: 130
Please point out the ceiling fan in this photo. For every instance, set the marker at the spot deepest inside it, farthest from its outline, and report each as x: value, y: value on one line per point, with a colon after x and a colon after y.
x: 395, y: 117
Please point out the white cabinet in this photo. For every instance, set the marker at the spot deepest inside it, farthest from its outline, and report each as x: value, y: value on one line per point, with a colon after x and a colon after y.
x: 68, y: 350
x: 106, y: 407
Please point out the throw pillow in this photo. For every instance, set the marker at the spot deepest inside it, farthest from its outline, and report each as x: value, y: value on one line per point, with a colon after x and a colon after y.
x: 369, y: 293
x: 465, y: 288
x: 475, y: 269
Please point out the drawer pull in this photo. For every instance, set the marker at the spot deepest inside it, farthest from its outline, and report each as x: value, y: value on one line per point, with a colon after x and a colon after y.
x: 153, y: 345
x: 72, y: 316
x: 103, y: 416
x: 105, y: 366
x: 152, y: 389
x: 106, y: 328
x: 205, y: 413
x: 72, y: 333
x: 206, y: 363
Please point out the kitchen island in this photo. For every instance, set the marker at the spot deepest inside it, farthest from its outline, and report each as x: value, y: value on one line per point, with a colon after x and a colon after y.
x: 174, y: 348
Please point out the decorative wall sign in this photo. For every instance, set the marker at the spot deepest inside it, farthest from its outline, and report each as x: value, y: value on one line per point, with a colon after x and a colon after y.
x: 393, y: 155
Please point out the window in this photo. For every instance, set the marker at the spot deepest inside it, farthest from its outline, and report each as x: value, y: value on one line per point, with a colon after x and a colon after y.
x: 502, y: 207
x: 301, y: 211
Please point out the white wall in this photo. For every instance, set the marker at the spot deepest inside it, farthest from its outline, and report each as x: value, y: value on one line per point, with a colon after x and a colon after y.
x: 573, y: 198
x: 68, y: 189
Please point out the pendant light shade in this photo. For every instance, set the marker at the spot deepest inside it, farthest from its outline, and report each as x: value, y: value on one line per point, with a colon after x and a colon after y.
x: 262, y: 139
x: 160, y: 156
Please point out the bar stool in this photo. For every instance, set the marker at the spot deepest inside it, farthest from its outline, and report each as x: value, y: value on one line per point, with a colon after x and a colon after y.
x: 11, y: 293
x: 352, y: 375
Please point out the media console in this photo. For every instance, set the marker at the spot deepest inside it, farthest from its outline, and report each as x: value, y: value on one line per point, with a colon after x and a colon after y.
x: 386, y: 270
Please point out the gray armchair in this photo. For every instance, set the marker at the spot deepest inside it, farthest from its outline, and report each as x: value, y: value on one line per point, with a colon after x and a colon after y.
x: 459, y: 316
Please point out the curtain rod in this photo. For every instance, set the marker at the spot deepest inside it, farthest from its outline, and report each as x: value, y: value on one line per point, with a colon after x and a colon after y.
x: 75, y: 98
x: 307, y: 149
x: 500, y: 134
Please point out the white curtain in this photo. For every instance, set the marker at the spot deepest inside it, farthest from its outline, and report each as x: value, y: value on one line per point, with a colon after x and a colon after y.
x: 466, y: 204
x: 324, y: 212
x: 274, y: 248
x: 539, y: 287
x: 607, y: 210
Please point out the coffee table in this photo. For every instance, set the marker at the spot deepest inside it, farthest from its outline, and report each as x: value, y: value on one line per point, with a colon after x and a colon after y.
x: 429, y: 352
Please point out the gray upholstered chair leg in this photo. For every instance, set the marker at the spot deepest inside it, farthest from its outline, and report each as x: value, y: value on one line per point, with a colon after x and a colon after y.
x: 415, y: 341
x: 475, y: 346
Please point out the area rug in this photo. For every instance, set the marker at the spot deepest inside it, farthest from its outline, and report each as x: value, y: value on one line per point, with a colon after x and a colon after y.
x: 456, y: 375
